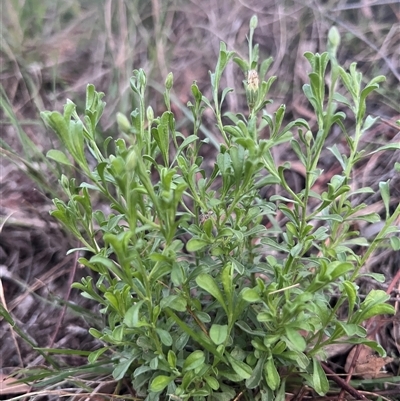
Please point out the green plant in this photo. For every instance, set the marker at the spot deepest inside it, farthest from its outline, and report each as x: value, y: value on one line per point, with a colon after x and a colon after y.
x: 202, y: 300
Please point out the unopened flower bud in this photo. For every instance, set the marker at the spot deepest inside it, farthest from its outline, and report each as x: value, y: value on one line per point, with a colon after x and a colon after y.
x: 131, y: 160
x: 123, y: 123
x: 334, y: 37
x: 169, y: 81
x: 309, y: 137
x: 150, y: 114
x: 253, y: 22
x: 142, y: 78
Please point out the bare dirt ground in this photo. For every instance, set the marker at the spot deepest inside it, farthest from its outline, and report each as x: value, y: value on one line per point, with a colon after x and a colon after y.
x: 52, y: 51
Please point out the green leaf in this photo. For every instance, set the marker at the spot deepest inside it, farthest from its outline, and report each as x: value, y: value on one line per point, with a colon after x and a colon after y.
x: 160, y: 382
x: 240, y: 368
x: 382, y: 309
x: 374, y: 304
x: 171, y: 358
x: 223, y: 162
x: 6, y: 315
x: 218, y: 333
x: 181, y: 341
x: 337, y: 269
x: 372, y: 344
x: 196, y: 244
x: 391, y: 146
x: 122, y: 367
x: 238, y: 267
x: 131, y: 318
x: 369, y: 122
x: 212, y: 382
x: 297, y: 341
x: 279, y: 348
x: 254, y: 380
x: 59, y: 157
x: 320, y: 382
x: 250, y: 295
x: 226, y: 280
x: 244, y: 65
x: 395, y: 243
x: 203, y: 340
x: 299, y: 358
x: 207, y: 283
x: 385, y: 193
x: 336, y: 152
x: 380, y: 278
x: 351, y: 292
x: 165, y: 337
x: 113, y: 301
x: 175, y: 302
x: 271, y: 374
x: 370, y: 218
x: 237, y: 156
x: 329, y: 217
x: 194, y: 360
x: 342, y: 99
x: 108, y: 263
x: 92, y: 358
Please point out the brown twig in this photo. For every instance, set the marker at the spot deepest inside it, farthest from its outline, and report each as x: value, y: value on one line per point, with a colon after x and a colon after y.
x: 351, y: 370
x: 340, y: 382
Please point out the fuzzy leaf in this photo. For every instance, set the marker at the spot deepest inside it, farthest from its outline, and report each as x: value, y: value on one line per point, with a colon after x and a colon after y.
x: 320, y: 382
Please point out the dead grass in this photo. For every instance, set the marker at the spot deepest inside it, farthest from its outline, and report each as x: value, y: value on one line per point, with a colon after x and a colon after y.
x: 52, y: 49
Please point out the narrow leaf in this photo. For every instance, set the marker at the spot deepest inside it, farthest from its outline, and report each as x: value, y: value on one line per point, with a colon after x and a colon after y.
x: 254, y: 380
x: 271, y: 374
x: 320, y: 382
x: 241, y: 368
x: 207, y: 283
x: 131, y: 318
x: 385, y: 193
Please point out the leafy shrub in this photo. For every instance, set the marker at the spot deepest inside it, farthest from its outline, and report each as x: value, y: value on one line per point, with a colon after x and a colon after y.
x: 200, y: 299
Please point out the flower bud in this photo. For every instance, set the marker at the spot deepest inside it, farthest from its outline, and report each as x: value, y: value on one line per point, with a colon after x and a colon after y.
x: 253, y: 22
x: 150, y: 114
x: 252, y: 80
x: 123, y: 123
x: 131, y: 160
x: 252, y: 88
x: 142, y: 78
x: 169, y: 81
x: 334, y: 37
x: 309, y: 137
